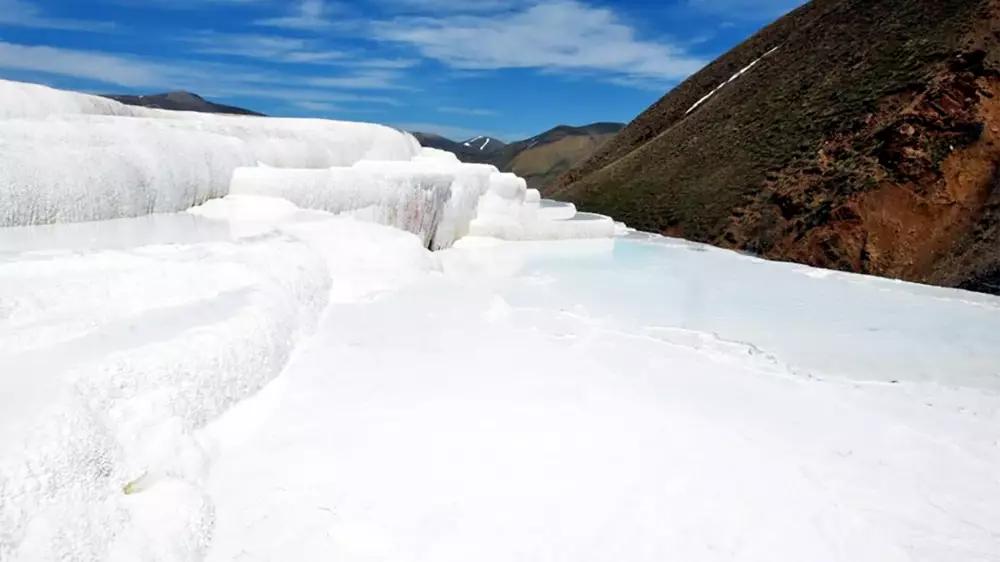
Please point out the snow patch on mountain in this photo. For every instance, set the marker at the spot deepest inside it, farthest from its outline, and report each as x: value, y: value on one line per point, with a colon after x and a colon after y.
x: 479, y: 143
x: 739, y: 73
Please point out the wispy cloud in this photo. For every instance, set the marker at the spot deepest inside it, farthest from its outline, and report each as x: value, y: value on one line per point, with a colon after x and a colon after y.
x: 467, y: 111
x: 452, y: 6
x: 304, y: 95
x: 309, y: 15
x: 22, y: 13
x: 270, y: 48
x: 565, y: 35
x: 101, y: 67
x: 369, y: 79
x: 385, y: 64
x: 210, y: 79
x: 317, y: 106
x: 182, y: 4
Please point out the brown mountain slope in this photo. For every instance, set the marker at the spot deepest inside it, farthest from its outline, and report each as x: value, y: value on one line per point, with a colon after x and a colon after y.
x: 542, y: 165
x: 540, y: 159
x: 543, y: 158
x: 864, y: 137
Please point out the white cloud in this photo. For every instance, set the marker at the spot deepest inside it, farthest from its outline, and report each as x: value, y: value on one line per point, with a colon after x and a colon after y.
x: 292, y: 50
x: 467, y: 111
x: 21, y: 13
x: 453, y: 6
x: 385, y: 64
x: 181, y: 4
x: 371, y: 79
x: 270, y: 48
x: 565, y: 35
x: 102, y: 67
x: 317, y: 106
x: 209, y: 79
x: 309, y: 15
x: 303, y: 95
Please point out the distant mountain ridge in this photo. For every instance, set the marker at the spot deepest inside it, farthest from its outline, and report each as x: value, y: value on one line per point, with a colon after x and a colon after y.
x: 484, y: 145
x: 855, y: 135
x: 539, y: 159
x: 180, y: 101
x: 479, y: 150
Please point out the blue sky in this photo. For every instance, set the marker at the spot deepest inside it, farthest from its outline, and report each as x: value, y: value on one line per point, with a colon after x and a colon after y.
x: 457, y: 67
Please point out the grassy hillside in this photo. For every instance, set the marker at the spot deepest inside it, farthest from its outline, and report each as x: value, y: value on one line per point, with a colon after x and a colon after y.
x: 861, y: 138
x: 543, y: 158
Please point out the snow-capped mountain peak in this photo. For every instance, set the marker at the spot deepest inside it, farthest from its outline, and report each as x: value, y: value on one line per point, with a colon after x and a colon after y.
x: 483, y: 143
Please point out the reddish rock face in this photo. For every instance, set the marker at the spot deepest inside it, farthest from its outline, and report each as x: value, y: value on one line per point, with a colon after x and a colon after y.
x: 868, y: 142
x: 931, y: 165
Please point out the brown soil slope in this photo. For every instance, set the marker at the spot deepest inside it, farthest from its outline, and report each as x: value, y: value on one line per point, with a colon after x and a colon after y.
x: 866, y: 137
x: 540, y: 159
x: 543, y: 158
